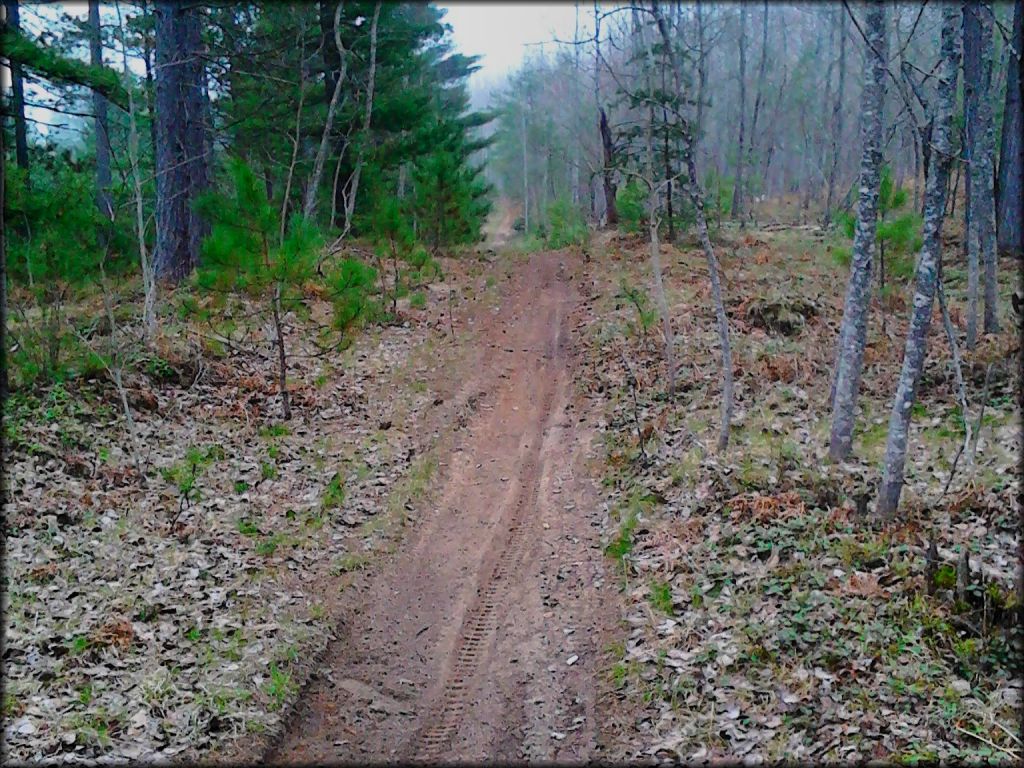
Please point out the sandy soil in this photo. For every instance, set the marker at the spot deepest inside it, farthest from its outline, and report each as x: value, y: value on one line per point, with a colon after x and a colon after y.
x: 482, y: 637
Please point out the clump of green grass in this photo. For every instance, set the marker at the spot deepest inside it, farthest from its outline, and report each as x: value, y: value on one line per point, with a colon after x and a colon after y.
x: 279, y: 688
x: 622, y: 545
x: 274, y: 430
x: 660, y: 597
x: 334, y: 493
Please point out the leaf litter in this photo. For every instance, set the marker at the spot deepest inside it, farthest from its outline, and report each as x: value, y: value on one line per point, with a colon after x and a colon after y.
x: 169, y: 619
x: 768, y: 617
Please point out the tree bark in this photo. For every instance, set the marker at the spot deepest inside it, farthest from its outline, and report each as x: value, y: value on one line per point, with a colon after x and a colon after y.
x: 837, y: 121
x: 181, y: 139
x: 759, y: 95
x: 147, y: 59
x: 611, y: 212
x: 981, y: 236
x: 1010, y: 227
x: 99, y: 105
x: 702, y: 67
x: 309, y: 210
x: 971, y: 65
x: 926, y: 273
x: 653, y: 222
x: 282, y: 358
x: 145, y: 263
x: 696, y: 195
x: 353, y: 187
x: 853, y: 330
x: 526, y: 173
x: 611, y: 215
x: 18, y: 92
x: 737, y: 190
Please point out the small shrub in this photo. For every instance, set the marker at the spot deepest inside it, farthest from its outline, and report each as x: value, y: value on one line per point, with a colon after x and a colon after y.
x: 631, y: 203
x: 566, y: 225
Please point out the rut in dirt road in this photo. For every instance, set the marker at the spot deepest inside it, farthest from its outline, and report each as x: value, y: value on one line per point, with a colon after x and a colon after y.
x: 481, y: 637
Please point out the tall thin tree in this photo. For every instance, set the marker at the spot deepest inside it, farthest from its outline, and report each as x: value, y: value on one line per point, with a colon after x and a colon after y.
x: 1009, y: 218
x: 99, y: 106
x: 926, y: 273
x: 853, y: 330
x: 737, y: 190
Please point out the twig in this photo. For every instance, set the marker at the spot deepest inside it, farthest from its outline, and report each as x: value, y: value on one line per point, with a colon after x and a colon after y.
x: 1006, y: 730
x: 631, y: 380
x: 992, y: 744
x: 981, y: 414
x: 961, y: 389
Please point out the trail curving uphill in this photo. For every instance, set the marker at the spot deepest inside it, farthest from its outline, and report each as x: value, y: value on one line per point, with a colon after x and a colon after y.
x: 482, y: 638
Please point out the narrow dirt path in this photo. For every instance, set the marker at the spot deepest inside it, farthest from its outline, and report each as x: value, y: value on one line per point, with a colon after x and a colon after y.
x: 482, y: 638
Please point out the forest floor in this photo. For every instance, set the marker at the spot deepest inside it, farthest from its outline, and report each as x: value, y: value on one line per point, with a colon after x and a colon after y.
x: 768, y: 617
x: 487, y: 533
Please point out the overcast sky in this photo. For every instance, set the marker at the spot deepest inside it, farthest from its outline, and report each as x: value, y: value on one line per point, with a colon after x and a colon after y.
x: 506, y: 32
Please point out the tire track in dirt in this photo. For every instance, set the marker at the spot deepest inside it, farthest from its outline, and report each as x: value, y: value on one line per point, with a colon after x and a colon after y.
x: 442, y: 650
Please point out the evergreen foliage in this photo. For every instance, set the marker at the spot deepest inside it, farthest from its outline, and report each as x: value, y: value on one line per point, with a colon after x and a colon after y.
x: 566, y: 225
x: 898, y: 235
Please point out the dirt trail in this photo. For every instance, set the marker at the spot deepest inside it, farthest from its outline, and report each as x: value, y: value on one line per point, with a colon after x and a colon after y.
x: 482, y: 637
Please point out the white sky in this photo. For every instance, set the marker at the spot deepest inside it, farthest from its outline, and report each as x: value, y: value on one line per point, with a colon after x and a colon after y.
x: 504, y: 33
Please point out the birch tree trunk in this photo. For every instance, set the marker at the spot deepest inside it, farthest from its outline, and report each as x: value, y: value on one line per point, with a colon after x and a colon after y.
x: 853, y: 330
x: 837, y: 122
x: 926, y: 272
x: 309, y: 210
x: 696, y: 195
x: 350, y: 198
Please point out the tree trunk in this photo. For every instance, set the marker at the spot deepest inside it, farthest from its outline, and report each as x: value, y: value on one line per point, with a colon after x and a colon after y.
x: 853, y: 330
x: 926, y: 272
x: 702, y: 67
x: 321, y: 154
x: 147, y: 59
x: 181, y: 139
x: 972, y: 84
x: 145, y: 262
x: 611, y: 210
x: 983, y: 224
x: 837, y: 121
x: 653, y: 221
x: 197, y: 134
x: 737, y: 190
x: 282, y: 358
x: 99, y: 105
x: 18, y: 93
x: 526, y: 174
x: 1010, y: 227
x: 696, y: 195
x: 759, y: 96
x: 353, y: 188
